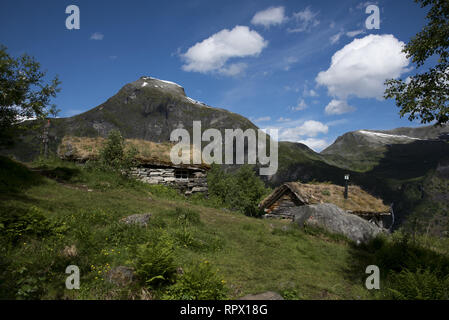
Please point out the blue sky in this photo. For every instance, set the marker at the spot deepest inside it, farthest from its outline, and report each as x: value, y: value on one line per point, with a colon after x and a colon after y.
x: 271, y: 61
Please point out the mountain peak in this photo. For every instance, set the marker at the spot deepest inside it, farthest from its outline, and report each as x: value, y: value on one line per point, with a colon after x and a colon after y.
x: 165, y: 82
x: 165, y: 86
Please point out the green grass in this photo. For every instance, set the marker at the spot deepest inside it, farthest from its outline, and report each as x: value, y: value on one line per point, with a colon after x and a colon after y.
x: 83, y: 208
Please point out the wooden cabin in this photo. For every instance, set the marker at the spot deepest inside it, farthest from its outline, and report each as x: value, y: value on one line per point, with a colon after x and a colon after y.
x: 281, y: 203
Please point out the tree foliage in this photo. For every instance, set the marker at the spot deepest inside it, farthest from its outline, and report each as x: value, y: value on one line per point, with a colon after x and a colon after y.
x: 241, y: 190
x: 425, y: 95
x: 114, y: 154
x: 24, y: 93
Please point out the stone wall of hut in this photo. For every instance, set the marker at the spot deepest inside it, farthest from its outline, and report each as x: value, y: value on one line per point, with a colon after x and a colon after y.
x: 189, y: 181
x: 284, y: 207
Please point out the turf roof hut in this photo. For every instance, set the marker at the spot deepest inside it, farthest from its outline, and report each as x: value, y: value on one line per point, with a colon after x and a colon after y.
x: 154, y: 164
x: 188, y: 178
x: 283, y: 200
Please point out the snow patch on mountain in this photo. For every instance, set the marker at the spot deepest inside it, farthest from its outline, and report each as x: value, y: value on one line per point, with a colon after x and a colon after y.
x: 169, y: 82
x: 163, y: 81
x: 158, y: 83
x: 196, y: 102
x: 385, y: 135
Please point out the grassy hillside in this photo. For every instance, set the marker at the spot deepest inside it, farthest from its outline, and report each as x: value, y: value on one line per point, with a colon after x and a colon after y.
x: 49, y: 207
x: 61, y: 205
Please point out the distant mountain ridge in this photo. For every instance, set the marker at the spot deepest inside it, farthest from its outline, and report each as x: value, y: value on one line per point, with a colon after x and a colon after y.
x: 361, y: 150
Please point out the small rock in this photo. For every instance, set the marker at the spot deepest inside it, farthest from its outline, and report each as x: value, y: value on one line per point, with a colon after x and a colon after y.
x: 269, y: 295
x: 120, y: 276
x: 146, y: 295
x: 199, y: 189
x: 139, y: 219
x: 70, y: 251
x: 70, y: 150
x: 180, y: 271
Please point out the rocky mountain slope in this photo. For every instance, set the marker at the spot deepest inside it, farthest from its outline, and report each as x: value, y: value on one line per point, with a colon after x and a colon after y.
x: 362, y: 150
x: 148, y: 109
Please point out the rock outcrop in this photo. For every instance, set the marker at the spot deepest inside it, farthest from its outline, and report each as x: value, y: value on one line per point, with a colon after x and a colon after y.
x: 121, y: 276
x: 336, y: 220
x: 138, y: 219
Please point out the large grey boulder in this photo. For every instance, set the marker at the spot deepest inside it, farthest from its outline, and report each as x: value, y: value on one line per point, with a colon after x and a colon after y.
x: 336, y: 220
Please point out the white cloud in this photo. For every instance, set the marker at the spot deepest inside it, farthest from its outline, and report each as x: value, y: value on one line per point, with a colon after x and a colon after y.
x: 269, y: 17
x: 233, y: 69
x: 20, y: 119
x: 289, y: 88
x: 362, y: 66
x: 363, y: 5
x: 309, y: 128
x: 336, y: 122
x: 289, y: 61
x: 338, y: 107
x: 300, y: 106
x: 302, y: 131
x: 351, y: 34
x: 97, y: 36
x: 262, y: 119
x: 315, y: 144
x: 354, y: 33
x: 211, y: 54
x: 335, y: 38
x: 309, y: 93
x: 306, y: 19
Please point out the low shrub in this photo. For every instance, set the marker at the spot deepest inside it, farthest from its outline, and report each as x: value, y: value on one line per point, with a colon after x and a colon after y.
x: 241, y: 190
x: 418, y: 285
x: 155, y: 261
x: 165, y: 192
x: 113, y: 155
x: 187, y: 216
x: 185, y: 219
x: 409, y: 270
x: 15, y: 177
x: 200, y: 282
x: 18, y: 222
x: 401, y: 252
